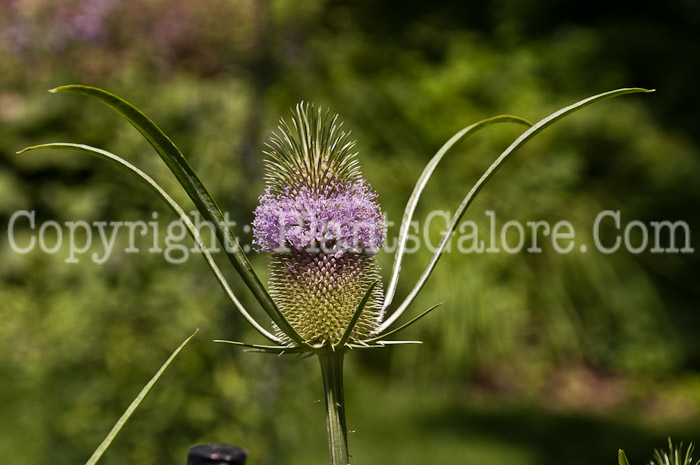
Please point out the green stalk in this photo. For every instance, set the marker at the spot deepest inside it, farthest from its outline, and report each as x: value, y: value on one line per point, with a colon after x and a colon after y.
x: 332, y: 371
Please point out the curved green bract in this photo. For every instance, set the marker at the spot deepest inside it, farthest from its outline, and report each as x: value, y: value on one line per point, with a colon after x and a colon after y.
x: 204, y: 202
x: 279, y: 350
x: 134, y: 405
x: 403, y: 326
x: 356, y: 316
x: 420, y: 186
x: 505, y: 155
x: 112, y: 158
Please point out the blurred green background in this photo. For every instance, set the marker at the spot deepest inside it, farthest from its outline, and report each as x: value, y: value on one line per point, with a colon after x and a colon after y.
x: 534, y: 358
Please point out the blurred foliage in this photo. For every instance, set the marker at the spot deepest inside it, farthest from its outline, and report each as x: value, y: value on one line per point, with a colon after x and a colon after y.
x: 588, y: 352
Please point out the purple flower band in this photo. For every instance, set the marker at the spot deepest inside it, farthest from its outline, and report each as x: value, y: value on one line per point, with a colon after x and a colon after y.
x: 347, y: 220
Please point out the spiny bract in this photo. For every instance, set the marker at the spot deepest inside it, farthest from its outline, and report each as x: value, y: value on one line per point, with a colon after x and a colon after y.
x: 323, y: 225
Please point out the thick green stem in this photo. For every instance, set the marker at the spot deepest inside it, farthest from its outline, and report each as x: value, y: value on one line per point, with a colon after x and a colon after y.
x: 332, y: 371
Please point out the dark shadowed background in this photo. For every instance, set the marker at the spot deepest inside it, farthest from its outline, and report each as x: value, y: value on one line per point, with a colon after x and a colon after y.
x: 535, y: 358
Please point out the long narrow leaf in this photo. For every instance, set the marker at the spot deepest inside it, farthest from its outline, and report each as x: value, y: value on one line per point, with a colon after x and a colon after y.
x: 194, y: 232
x: 519, y: 142
x: 134, y: 405
x: 356, y: 316
x: 204, y: 202
x: 420, y: 186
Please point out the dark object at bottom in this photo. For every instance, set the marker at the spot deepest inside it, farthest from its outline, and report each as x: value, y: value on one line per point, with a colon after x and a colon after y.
x: 216, y: 454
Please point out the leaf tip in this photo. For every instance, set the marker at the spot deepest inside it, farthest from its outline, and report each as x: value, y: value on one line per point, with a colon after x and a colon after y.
x: 62, y: 88
x: 28, y: 149
x: 622, y: 458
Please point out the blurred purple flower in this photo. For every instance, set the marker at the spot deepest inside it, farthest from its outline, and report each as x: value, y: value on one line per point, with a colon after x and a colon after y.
x: 84, y: 22
x: 53, y: 25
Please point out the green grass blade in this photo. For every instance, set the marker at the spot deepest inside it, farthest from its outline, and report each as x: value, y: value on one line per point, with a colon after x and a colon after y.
x: 420, y: 186
x: 134, y: 405
x: 622, y: 458
x: 110, y: 157
x: 505, y: 155
x: 689, y: 454
x: 204, y: 202
x: 356, y: 316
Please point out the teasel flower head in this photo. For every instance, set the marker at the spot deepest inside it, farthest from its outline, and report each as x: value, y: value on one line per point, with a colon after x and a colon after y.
x: 323, y: 226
